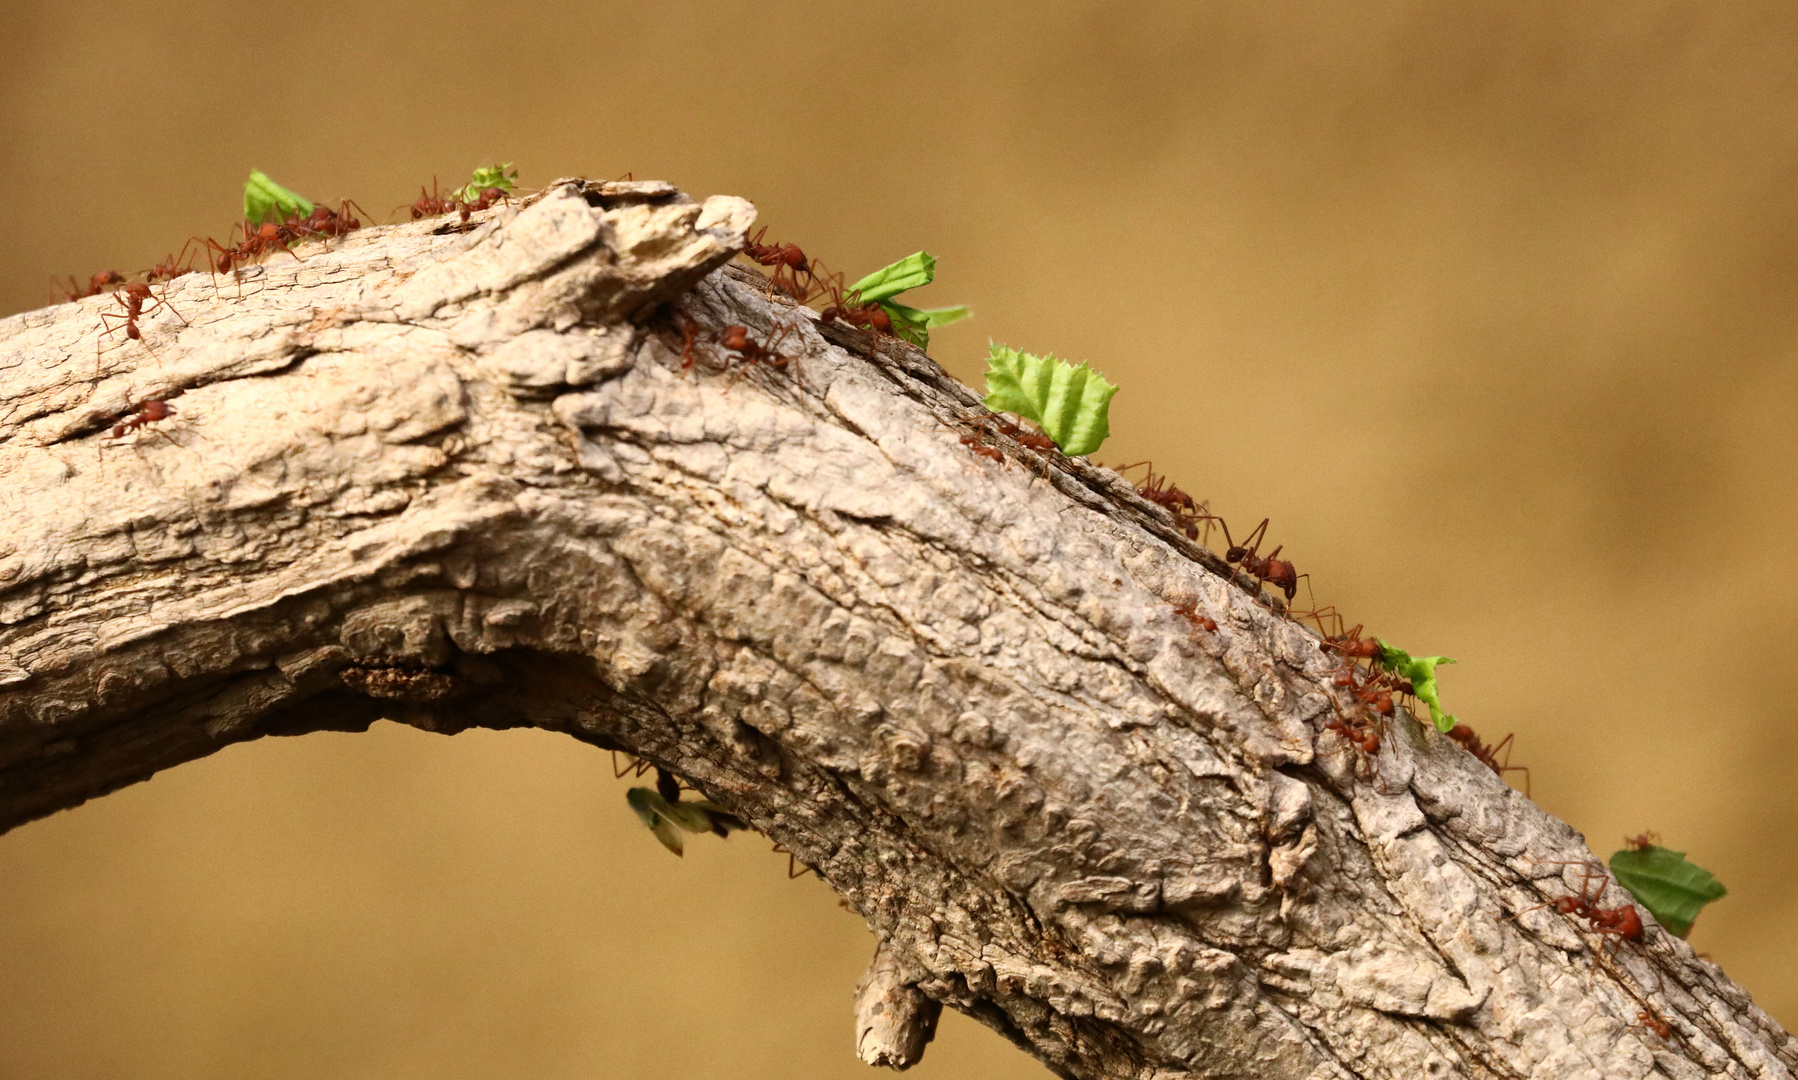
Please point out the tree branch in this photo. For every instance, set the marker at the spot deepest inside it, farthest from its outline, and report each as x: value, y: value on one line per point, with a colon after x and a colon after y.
x: 462, y: 479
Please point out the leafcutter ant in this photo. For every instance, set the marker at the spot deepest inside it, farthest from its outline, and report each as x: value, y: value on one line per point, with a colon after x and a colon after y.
x: 1187, y: 607
x: 1643, y: 841
x: 1647, y: 1019
x: 95, y: 285
x: 1351, y: 646
x: 787, y: 260
x: 1620, y: 924
x: 147, y: 412
x: 489, y: 197
x: 980, y: 443
x: 1271, y: 569
x: 1488, y: 755
x: 172, y: 267
x: 326, y: 223
x: 667, y: 786
x: 736, y: 339
x: 850, y: 309
x: 1033, y: 440
x: 137, y: 301
x: 1188, y: 515
x: 433, y: 204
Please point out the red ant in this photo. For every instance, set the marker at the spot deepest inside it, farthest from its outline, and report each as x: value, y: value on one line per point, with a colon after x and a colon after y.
x: 147, y: 412
x: 1622, y: 923
x: 137, y: 300
x: 95, y: 285
x: 269, y: 236
x: 851, y: 310
x: 1488, y: 755
x: 489, y: 197
x: 433, y: 204
x: 1362, y: 734
x: 689, y: 334
x: 1649, y: 1020
x: 786, y: 259
x: 1643, y: 841
x: 171, y: 268
x: 1166, y: 494
x: 977, y: 442
x: 737, y: 340
x: 1275, y: 571
x: 1034, y: 440
x: 1351, y: 646
x: 325, y: 222
x: 1187, y: 607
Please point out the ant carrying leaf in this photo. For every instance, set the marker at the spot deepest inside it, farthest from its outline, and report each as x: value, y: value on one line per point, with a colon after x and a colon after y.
x: 265, y: 200
x: 1420, y: 672
x: 1662, y: 881
x: 503, y: 176
x: 662, y: 816
x: 1069, y: 403
x: 913, y: 271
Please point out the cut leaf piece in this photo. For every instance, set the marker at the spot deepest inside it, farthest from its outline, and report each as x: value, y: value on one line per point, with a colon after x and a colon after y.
x: 1420, y: 672
x: 502, y: 176
x: 915, y: 325
x: 1071, y: 404
x: 648, y: 805
x: 265, y: 200
x: 911, y: 272
x: 662, y: 817
x: 916, y: 269
x: 1672, y: 889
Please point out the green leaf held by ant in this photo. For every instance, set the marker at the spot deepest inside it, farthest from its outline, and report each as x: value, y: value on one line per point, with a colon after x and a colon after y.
x: 662, y: 817
x: 1071, y: 404
x: 913, y: 271
x: 1672, y: 889
x: 1420, y: 672
x: 503, y: 176
x: 265, y: 200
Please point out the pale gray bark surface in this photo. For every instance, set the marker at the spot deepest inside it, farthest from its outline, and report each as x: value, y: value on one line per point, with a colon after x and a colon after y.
x: 462, y: 480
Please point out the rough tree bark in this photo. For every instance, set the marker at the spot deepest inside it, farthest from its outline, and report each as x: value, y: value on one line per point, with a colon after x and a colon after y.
x: 461, y: 479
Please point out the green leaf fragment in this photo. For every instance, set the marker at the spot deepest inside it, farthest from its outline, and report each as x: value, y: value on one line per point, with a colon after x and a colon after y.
x: 916, y: 269
x: 265, y: 200
x: 648, y: 806
x: 503, y: 176
x: 662, y: 817
x: 911, y: 272
x: 1672, y: 889
x: 1071, y: 404
x: 914, y: 325
x: 1420, y: 672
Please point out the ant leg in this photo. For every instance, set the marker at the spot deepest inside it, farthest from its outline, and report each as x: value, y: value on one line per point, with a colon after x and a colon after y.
x: 1308, y: 592
x: 1252, y: 542
x: 163, y: 302
x: 1506, y: 766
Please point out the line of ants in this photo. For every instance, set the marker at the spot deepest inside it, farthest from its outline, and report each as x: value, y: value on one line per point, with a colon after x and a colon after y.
x: 1372, y: 693
x: 244, y: 244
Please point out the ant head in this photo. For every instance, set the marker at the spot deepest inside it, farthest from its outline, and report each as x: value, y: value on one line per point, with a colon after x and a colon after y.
x: 1235, y: 554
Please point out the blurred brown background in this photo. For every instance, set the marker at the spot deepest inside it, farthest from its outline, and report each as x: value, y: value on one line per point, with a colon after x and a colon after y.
x: 1489, y: 306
